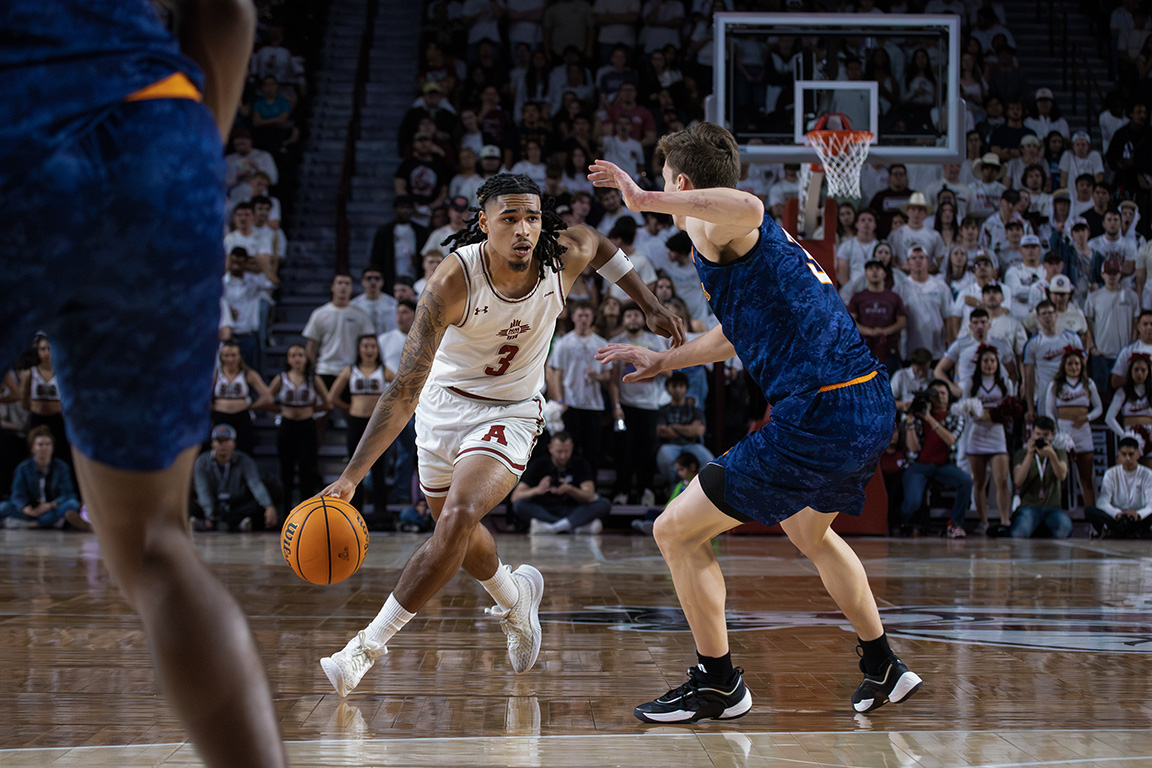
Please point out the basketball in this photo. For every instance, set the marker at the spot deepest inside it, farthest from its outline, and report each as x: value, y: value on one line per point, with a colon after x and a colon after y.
x: 324, y: 540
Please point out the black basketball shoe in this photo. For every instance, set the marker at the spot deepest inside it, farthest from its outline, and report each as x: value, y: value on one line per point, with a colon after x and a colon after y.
x: 698, y: 699
x: 894, y: 684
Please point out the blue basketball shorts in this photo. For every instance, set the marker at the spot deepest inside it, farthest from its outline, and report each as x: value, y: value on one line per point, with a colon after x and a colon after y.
x: 113, y: 247
x: 818, y: 450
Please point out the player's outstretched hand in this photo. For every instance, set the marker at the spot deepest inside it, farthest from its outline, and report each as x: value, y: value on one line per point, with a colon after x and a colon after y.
x: 606, y: 174
x: 341, y: 489
x: 664, y: 322
x: 645, y: 361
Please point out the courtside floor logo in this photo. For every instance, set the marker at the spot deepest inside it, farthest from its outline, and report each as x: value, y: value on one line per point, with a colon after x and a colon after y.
x: 1108, y: 630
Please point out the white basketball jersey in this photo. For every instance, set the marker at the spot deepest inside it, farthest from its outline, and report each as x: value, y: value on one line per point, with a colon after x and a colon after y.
x: 498, y: 350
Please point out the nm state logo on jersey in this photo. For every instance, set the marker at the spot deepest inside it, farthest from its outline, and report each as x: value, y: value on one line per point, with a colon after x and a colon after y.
x: 514, y: 330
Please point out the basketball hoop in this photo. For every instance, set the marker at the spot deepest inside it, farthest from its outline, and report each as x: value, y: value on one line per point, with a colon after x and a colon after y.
x: 842, y: 154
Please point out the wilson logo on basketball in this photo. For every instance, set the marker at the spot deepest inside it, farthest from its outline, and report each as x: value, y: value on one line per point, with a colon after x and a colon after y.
x: 344, y: 554
x: 289, y: 532
x: 514, y: 330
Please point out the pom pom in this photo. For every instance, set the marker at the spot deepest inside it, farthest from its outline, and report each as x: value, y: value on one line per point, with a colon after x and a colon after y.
x: 968, y: 408
x: 1137, y: 435
x: 1063, y: 441
x: 553, y: 417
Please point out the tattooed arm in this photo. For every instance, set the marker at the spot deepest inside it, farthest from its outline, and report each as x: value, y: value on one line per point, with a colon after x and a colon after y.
x: 441, y: 304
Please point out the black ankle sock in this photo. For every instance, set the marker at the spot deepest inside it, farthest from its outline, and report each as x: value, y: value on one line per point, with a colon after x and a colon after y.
x: 718, y: 669
x: 875, y: 654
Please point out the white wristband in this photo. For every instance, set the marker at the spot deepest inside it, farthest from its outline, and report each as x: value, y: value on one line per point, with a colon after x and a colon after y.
x: 616, y: 267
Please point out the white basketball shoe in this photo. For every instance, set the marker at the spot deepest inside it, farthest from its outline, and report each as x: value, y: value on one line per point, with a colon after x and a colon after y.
x: 346, y: 667
x: 521, y: 622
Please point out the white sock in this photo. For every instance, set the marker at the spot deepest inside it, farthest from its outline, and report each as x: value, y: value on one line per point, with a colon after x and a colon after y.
x: 502, y: 587
x: 388, y: 622
x: 560, y: 526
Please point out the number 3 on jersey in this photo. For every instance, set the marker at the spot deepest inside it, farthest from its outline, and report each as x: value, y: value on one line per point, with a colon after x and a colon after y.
x: 506, y: 352
x: 813, y: 265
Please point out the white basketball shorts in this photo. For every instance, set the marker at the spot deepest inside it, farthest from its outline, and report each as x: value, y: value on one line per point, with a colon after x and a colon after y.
x: 451, y: 425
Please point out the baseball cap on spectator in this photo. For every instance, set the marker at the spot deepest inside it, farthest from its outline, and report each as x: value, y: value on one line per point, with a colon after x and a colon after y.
x: 433, y: 87
x: 1060, y: 284
x: 1062, y: 194
x: 489, y: 150
x: 458, y: 203
x: 917, y: 249
x: 1128, y: 204
x: 563, y: 209
x: 981, y: 257
x: 223, y: 432
x: 1031, y: 140
x: 1111, y: 266
x: 1029, y: 240
x: 1079, y: 222
x: 1081, y: 135
x: 1044, y: 93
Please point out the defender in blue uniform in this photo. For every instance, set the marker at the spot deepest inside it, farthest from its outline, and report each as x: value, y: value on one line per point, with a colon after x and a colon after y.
x: 832, y: 416
x: 111, y: 208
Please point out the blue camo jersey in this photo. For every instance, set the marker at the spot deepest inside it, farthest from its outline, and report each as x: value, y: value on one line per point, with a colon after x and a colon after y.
x: 784, y: 317
x: 62, y: 61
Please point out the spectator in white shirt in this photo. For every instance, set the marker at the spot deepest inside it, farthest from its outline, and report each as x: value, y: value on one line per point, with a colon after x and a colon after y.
x: 1111, y: 312
x: 1124, y: 507
x: 623, y: 150
x: 915, y: 235
x: 1142, y: 345
x: 333, y: 329
x: 928, y: 302
x: 786, y: 188
x: 245, y: 284
x: 986, y: 187
x: 374, y: 302
x: 855, y: 252
x: 1046, y: 118
x: 246, y: 160
x: 1080, y: 161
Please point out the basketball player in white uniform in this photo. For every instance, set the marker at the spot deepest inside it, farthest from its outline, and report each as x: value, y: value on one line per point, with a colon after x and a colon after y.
x: 474, y: 361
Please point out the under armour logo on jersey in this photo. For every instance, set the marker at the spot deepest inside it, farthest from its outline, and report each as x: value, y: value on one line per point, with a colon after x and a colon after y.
x: 478, y: 310
x: 514, y: 330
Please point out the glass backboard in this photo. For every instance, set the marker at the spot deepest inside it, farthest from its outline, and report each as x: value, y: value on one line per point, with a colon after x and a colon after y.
x: 776, y: 74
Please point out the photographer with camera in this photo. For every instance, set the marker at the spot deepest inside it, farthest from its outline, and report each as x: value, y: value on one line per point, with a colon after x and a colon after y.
x: 931, y: 434
x: 1039, y: 470
x: 557, y: 493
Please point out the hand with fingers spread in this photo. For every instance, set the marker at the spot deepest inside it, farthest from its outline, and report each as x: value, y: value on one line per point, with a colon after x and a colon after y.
x: 606, y: 174
x: 645, y: 361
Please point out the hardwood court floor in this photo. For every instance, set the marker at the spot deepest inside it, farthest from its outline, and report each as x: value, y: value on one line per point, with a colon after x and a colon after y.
x: 1034, y: 653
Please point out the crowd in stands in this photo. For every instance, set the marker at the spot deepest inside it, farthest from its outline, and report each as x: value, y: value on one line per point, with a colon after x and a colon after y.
x: 1007, y: 295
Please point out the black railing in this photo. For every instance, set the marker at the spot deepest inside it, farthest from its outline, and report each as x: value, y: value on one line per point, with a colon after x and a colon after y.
x: 1076, y: 73
x: 348, y: 164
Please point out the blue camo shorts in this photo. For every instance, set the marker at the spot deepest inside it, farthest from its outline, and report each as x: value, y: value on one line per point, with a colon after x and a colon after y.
x: 113, y: 247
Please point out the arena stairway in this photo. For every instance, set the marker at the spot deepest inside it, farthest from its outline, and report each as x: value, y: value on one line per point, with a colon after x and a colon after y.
x: 1043, y: 67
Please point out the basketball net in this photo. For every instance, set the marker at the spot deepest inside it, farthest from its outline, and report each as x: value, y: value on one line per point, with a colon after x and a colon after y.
x: 842, y: 153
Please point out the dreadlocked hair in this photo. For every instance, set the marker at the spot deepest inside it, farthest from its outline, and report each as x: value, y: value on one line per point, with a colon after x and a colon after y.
x: 548, y: 248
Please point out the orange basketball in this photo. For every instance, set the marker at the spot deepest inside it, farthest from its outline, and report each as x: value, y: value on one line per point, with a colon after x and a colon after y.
x: 325, y: 540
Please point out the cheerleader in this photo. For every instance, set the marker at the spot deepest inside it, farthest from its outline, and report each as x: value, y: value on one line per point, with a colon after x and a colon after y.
x: 41, y: 396
x: 365, y: 380
x: 236, y: 391
x: 1073, y: 403
x: 300, y: 394
x: 987, y: 441
x: 1130, y: 410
